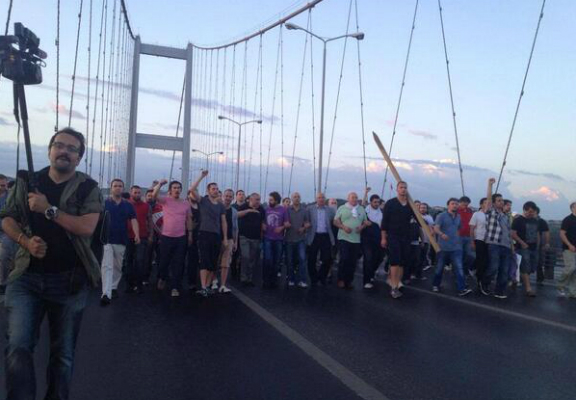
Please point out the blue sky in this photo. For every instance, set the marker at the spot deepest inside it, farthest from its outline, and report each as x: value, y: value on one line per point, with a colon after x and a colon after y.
x: 488, y: 44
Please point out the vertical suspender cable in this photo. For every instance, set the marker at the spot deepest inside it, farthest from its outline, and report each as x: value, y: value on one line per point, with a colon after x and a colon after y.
x: 177, y: 127
x: 313, y: 107
x: 282, y: 109
x: 521, y: 93
x: 88, y: 85
x: 451, y: 98
x: 57, y: 63
x: 337, y: 97
x: 361, y: 97
x: 75, y: 63
x: 407, y: 59
x: 96, y: 89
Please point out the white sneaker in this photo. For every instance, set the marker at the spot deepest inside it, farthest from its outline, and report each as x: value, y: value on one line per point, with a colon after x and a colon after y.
x: 279, y: 274
x: 224, y: 289
x: 562, y: 293
x: 302, y: 284
x: 175, y: 293
x: 368, y: 286
x: 214, y: 285
x: 291, y: 284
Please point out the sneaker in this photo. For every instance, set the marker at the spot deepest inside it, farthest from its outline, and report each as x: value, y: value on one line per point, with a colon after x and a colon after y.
x: 224, y: 289
x: 291, y: 283
x: 175, y: 293
x: 303, y: 285
x: 104, y: 301
x: 464, y: 292
x: 435, y: 289
x: 145, y: 283
x: 500, y: 296
x: 531, y: 293
x: 423, y: 278
x: 202, y: 293
x: 210, y: 291
x: 448, y: 268
x: 484, y: 290
x: 279, y: 274
x: 214, y: 285
x: 114, y: 293
x: 395, y: 293
x: 426, y: 268
x: 368, y: 286
x: 562, y: 293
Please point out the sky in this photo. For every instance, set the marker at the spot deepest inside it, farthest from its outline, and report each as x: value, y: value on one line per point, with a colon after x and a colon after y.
x: 488, y: 46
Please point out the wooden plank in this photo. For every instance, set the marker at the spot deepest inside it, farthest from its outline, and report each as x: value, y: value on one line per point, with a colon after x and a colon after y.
x: 394, y: 171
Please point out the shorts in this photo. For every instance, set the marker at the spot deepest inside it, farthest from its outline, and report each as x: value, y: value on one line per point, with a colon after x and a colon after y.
x: 529, y: 260
x: 399, y: 250
x: 209, y: 244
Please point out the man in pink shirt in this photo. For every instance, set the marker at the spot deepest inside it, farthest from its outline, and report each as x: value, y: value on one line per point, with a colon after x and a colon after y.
x: 177, y: 220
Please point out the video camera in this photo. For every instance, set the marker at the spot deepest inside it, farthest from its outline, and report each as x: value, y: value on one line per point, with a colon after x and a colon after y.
x: 20, y: 56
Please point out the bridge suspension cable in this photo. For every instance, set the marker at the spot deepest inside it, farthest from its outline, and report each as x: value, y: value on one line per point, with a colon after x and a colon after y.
x: 541, y: 15
x: 399, y: 103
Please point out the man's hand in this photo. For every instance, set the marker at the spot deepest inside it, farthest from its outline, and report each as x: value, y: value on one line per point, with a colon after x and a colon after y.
x: 444, y: 236
x: 367, y: 190
x: 36, y: 246
x: 302, y: 230
x: 347, y: 229
x: 150, y: 237
x: 279, y: 229
x: 38, y: 202
x: 204, y: 173
x: 384, y: 243
x: 572, y: 248
x: 163, y: 182
x: 473, y: 245
x: 136, y: 239
x: 524, y: 245
x: 491, y: 181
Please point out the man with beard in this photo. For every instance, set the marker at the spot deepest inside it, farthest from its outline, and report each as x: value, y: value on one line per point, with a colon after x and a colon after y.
x: 136, y: 253
x: 52, y: 225
x: 276, y: 222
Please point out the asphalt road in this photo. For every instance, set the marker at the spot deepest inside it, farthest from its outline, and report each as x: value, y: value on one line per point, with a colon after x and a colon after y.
x: 324, y: 343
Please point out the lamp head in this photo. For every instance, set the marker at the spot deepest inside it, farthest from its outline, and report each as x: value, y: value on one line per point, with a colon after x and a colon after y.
x: 290, y: 26
x: 221, y: 117
x: 259, y: 121
x: 358, y: 35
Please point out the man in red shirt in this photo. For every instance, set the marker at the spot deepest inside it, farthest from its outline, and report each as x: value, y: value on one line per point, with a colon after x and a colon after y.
x: 465, y: 213
x: 136, y: 253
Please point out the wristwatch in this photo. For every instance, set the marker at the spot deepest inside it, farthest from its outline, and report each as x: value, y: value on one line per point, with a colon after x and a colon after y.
x: 51, y: 213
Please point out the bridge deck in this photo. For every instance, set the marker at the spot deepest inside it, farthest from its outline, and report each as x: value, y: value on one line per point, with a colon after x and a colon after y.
x: 425, y: 346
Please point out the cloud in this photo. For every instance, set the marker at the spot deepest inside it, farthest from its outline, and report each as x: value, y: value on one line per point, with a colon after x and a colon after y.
x: 546, y: 193
x: 424, y: 134
x: 542, y: 174
x: 62, y: 110
x: 5, y: 122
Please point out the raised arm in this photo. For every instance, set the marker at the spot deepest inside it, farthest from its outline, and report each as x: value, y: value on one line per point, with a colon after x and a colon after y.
x: 194, y: 186
x: 157, y: 187
x: 491, y: 182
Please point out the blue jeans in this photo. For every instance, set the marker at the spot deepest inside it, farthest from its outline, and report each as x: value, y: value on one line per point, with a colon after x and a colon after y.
x: 296, y: 261
x: 455, y: 258
x: 272, y: 255
x: 28, y: 299
x: 499, y: 259
x: 468, y: 255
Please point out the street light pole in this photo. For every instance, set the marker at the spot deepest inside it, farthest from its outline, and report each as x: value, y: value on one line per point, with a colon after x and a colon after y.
x: 321, y: 146
x: 357, y: 36
x: 255, y: 121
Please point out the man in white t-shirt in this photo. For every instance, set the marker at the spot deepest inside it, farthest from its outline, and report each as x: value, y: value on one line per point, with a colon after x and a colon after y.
x: 425, y: 250
x: 478, y: 235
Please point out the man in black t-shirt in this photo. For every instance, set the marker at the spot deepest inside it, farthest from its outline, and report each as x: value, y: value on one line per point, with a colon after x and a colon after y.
x: 543, y: 247
x: 251, y: 224
x: 52, y: 225
x: 525, y: 234
x: 567, y: 281
x: 396, y: 235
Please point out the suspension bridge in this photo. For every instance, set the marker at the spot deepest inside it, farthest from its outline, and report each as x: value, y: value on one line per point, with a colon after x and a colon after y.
x: 248, y: 111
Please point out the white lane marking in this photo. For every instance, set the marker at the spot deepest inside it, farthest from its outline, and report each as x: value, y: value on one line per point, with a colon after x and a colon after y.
x: 347, y: 377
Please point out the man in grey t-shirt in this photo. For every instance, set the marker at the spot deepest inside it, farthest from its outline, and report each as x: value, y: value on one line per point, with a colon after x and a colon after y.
x: 295, y: 239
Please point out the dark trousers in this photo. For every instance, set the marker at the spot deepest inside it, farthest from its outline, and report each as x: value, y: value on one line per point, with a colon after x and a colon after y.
x: 321, y: 244
x: 172, y: 251
x: 193, y: 263
x: 272, y: 255
x: 152, y: 256
x: 415, y: 263
x: 348, y: 259
x: 499, y: 259
x: 28, y: 299
x: 135, y: 257
x: 481, y: 261
x: 372, y: 253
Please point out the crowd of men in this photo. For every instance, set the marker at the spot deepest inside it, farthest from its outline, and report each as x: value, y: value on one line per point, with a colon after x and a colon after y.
x: 54, y: 223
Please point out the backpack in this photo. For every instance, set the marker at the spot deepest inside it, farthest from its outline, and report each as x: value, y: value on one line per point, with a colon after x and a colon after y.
x: 100, y: 236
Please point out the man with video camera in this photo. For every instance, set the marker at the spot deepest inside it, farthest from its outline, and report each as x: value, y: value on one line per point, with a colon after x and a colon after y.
x: 51, y: 217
